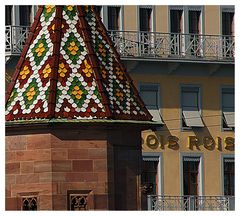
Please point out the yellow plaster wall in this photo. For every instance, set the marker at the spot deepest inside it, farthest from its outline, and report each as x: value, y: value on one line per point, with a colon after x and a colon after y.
x: 212, y: 19
x: 170, y: 102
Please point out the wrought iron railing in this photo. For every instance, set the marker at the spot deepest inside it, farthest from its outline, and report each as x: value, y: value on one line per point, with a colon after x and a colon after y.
x: 148, y: 44
x: 191, y: 203
x: 175, y: 46
x: 15, y: 38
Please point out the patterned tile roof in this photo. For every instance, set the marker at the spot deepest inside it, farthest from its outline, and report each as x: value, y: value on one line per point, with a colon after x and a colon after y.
x: 69, y: 69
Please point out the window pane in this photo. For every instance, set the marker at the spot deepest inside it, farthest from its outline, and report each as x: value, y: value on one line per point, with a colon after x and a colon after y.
x: 228, y: 100
x: 190, y: 99
x: 113, y: 18
x: 229, y: 174
x: 145, y: 17
x: 150, y: 98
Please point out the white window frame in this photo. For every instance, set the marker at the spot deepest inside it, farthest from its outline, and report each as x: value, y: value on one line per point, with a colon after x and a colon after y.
x: 201, y: 172
x: 223, y: 157
x: 159, y: 155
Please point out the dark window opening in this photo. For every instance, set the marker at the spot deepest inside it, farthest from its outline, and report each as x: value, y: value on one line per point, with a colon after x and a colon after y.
x: 228, y: 32
x: 228, y: 113
x: 229, y: 174
x: 190, y: 176
x: 176, y: 27
x: 113, y: 18
x: 148, y: 181
x: 29, y: 204
x: 25, y: 15
x: 194, y: 30
x: 145, y: 26
x: 8, y: 15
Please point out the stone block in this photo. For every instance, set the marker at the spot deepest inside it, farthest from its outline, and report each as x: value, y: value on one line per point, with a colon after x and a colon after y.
x: 42, y: 166
x: 78, y: 154
x: 13, y: 168
x: 60, y: 202
x: 45, y: 202
x: 16, y: 142
x: 61, y: 166
x: 10, y: 156
x: 59, y: 154
x: 37, y: 155
x: 26, y: 167
x: 81, y: 177
x: 100, y: 166
x: 28, y: 178
x: 100, y: 153
x: 10, y: 179
x: 82, y: 165
x: 11, y: 204
x: 39, y: 141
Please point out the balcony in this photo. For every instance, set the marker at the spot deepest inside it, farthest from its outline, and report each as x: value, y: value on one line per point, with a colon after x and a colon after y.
x: 152, y: 46
x: 191, y: 203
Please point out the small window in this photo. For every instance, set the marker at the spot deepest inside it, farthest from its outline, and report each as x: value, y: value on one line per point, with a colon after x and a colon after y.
x: 145, y: 19
x: 229, y: 173
x: 191, y: 116
x: 80, y: 200
x: 228, y: 114
x: 150, y: 96
x: 29, y: 203
x: 113, y: 18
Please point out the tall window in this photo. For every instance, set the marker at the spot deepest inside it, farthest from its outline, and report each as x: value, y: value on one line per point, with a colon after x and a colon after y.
x: 29, y: 203
x: 227, y: 32
x: 229, y: 173
x: 228, y: 114
x: 150, y: 96
x: 194, y: 31
x: 150, y: 176
x: 8, y: 15
x: 191, y: 117
x: 191, y: 175
x: 145, y: 19
x: 145, y: 25
x: 113, y: 18
x: 25, y: 15
x: 176, y: 27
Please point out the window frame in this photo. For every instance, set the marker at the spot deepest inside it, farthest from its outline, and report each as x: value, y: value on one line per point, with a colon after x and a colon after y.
x: 182, y: 86
x: 223, y: 157
x: 121, y: 16
x: 201, y: 172
x: 160, y: 183
x: 21, y: 196
x: 223, y: 129
x: 158, y: 96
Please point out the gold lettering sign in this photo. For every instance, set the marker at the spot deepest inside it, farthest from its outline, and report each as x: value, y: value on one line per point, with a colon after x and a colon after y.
x: 229, y: 141
x: 209, y: 143
x: 152, y: 141
x: 193, y: 141
x: 173, y: 142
